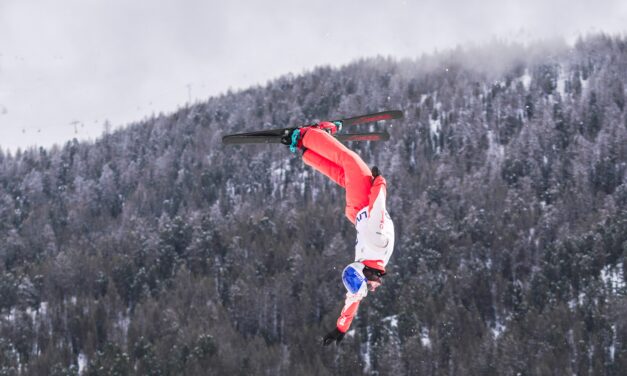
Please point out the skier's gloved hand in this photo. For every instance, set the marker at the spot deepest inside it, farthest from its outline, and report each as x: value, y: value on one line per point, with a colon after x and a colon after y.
x: 375, y: 173
x: 333, y: 336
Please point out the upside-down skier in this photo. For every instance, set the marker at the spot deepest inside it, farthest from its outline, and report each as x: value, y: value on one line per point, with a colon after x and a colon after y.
x: 365, y: 208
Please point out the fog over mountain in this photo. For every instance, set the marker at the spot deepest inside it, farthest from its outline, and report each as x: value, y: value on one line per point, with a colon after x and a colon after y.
x: 66, y: 68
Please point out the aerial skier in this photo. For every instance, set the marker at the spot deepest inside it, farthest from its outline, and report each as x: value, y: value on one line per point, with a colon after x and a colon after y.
x: 365, y: 208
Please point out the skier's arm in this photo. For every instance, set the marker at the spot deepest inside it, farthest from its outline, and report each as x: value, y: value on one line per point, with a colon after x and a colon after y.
x: 377, y: 213
x: 378, y: 189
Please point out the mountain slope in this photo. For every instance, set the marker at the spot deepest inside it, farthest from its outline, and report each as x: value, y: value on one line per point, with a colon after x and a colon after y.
x: 157, y: 249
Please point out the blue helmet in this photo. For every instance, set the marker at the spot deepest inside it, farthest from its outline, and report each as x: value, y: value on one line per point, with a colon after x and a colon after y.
x: 353, y: 277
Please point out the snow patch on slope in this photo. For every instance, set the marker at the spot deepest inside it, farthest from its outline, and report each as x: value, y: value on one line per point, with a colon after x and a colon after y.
x: 392, y: 320
x: 561, y: 83
x: 424, y: 338
x: 365, y: 352
x: 526, y: 79
x: 434, y: 128
x: 498, y: 329
x: 496, y: 152
x: 613, y: 345
x: 81, y: 360
x: 578, y: 301
x: 613, y: 278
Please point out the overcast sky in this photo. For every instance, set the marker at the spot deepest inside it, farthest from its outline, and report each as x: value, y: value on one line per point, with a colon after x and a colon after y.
x: 66, y: 66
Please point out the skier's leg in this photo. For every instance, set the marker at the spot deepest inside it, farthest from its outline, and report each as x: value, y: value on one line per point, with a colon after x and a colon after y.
x: 357, y: 176
x: 325, y: 166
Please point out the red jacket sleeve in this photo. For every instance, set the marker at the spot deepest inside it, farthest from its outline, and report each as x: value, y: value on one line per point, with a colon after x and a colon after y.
x: 378, y: 185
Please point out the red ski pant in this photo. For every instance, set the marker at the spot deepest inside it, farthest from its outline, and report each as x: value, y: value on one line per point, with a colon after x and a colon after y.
x: 342, y: 165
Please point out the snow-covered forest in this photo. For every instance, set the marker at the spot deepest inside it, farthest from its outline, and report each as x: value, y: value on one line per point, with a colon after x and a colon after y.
x: 156, y: 250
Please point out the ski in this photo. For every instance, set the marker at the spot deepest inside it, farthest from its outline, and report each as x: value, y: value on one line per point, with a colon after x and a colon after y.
x: 370, y: 118
x: 270, y: 136
x: 373, y: 136
x: 273, y: 138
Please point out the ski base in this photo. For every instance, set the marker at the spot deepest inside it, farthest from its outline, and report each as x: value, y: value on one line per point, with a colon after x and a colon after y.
x: 244, y: 138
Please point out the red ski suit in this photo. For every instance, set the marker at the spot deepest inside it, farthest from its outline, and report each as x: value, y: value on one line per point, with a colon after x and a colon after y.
x: 365, y: 205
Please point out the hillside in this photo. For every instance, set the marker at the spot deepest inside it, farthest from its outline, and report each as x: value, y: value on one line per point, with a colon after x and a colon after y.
x: 156, y: 250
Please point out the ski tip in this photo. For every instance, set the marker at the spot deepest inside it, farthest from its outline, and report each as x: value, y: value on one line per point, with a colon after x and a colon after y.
x: 393, y: 114
x: 397, y: 114
x: 382, y: 116
x: 370, y: 118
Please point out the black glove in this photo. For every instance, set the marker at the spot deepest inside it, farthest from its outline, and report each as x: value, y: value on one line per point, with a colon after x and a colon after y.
x: 333, y: 336
x: 375, y: 172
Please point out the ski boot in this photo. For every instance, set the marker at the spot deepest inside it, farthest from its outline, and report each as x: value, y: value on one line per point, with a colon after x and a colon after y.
x: 293, y: 138
x: 375, y: 171
x: 330, y: 127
